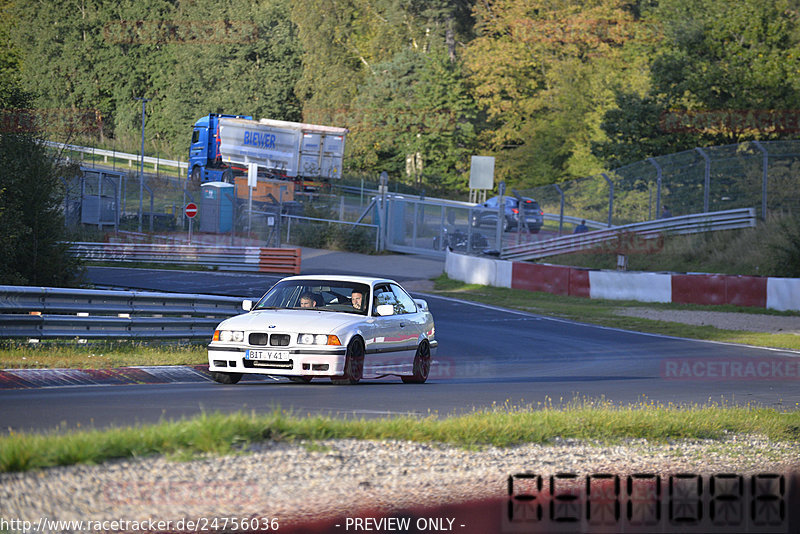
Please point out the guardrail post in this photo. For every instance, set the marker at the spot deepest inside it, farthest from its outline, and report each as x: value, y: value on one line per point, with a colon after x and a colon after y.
x: 610, y: 197
x: 141, y: 171
x: 501, y: 215
x: 414, y: 224
x: 152, y: 196
x: 765, y: 166
x: 441, y: 227
x: 280, y: 217
x: 707, y: 180
x: 655, y: 164
x: 561, y: 209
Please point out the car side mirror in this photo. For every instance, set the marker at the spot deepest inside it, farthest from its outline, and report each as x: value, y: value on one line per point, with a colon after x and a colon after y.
x: 385, y: 310
x: 421, y: 304
x: 247, y: 305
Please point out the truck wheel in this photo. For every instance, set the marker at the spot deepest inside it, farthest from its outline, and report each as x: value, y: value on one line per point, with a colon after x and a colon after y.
x: 196, y: 175
x: 227, y: 176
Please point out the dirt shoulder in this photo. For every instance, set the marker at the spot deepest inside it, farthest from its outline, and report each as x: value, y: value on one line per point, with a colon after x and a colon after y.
x: 750, y: 322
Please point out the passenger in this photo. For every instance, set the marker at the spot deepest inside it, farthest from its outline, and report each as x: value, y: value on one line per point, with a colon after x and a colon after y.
x: 308, y: 300
x: 357, y: 299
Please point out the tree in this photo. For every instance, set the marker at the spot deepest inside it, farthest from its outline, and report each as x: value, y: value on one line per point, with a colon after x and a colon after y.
x: 415, y: 119
x: 190, y: 58
x: 251, y: 68
x: 544, y: 71
x: 635, y: 130
x: 345, y: 41
x: 724, y: 72
x: 31, y: 222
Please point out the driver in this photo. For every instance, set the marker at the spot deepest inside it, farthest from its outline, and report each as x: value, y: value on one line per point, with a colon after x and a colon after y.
x: 307, y: 300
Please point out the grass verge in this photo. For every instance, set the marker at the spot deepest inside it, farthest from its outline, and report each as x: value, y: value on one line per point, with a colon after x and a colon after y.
x: 503, y: 426
x: 97, y: 355
x: 603, y: 312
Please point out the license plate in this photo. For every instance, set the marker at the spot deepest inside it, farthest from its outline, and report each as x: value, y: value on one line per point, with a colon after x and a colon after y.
x: 266, y: 355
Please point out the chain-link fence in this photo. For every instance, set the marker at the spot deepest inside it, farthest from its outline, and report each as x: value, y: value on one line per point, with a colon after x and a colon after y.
x: 763, y: 175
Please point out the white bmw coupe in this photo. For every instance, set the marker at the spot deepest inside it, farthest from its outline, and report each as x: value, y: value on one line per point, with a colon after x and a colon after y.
x: 342, y: 327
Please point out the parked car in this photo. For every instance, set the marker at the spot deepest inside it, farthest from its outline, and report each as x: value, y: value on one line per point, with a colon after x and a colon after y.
x: 340, y: 327
x: 486, y: 214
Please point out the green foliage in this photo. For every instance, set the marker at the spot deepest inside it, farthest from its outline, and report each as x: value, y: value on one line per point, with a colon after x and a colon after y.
x: 544, y: 72
x: 31, y: 222
x: 633, y: 132
x: 332, y: 236
x: 770, y: 249
x: 190, y: 59
x: 727, y: 58
x: 416, y: 121
x: 555, y: 89
x: 785, y: 247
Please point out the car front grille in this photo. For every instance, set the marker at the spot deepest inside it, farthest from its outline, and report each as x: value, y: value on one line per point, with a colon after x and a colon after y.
x: 258, y: 338
x: 262, y: 339
x: 279, y: 340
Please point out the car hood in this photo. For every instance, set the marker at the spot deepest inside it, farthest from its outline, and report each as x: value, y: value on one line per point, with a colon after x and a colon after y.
x: 312, y: 321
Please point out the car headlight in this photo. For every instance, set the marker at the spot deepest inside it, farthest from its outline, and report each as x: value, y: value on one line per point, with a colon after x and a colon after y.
x: 317, y: 339
x: 226, y: 336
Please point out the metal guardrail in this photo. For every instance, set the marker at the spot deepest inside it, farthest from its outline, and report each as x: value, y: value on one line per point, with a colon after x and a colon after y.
x: 568, y: 219
x: 685, y: 224
x: 120, y: 155
x: 55, y: 313
x: 248, y: 259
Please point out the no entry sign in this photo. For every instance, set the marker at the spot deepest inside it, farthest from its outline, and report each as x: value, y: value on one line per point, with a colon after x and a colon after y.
x: 191, y: 210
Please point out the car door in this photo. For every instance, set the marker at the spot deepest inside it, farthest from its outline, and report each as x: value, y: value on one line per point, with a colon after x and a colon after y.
x: 385, y: 352
x: 412, y: 322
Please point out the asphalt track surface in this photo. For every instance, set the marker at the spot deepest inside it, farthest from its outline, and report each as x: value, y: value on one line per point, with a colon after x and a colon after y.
x: 487, y: 356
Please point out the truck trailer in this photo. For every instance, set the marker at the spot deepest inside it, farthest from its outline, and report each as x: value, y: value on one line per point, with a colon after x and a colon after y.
x: 223, y: 146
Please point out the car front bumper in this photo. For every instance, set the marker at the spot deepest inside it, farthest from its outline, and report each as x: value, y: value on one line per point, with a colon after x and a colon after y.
x: 306, y: 361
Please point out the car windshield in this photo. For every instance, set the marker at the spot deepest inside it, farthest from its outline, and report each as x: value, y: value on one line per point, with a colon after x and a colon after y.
x: 323, y: 295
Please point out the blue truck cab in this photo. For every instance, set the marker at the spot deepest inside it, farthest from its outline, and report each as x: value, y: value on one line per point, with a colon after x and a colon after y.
x: 205, y: 160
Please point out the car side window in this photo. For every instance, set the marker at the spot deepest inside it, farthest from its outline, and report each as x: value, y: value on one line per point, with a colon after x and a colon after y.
x: 384, y: 295
x: 405, y: 304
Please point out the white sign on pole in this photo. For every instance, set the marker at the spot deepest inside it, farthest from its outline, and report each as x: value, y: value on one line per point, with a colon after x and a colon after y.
x: 252, y: 175
x: 481, y: 172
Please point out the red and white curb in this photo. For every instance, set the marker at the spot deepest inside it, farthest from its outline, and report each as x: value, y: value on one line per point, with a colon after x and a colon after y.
x: 710, y: 289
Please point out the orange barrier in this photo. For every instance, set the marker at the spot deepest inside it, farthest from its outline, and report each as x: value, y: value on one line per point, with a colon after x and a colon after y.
x: 224, y: 258
x: 279, y: 260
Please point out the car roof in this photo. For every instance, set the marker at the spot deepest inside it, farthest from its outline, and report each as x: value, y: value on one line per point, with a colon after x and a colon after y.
x: 341, y: 278
x: 512, y: 197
